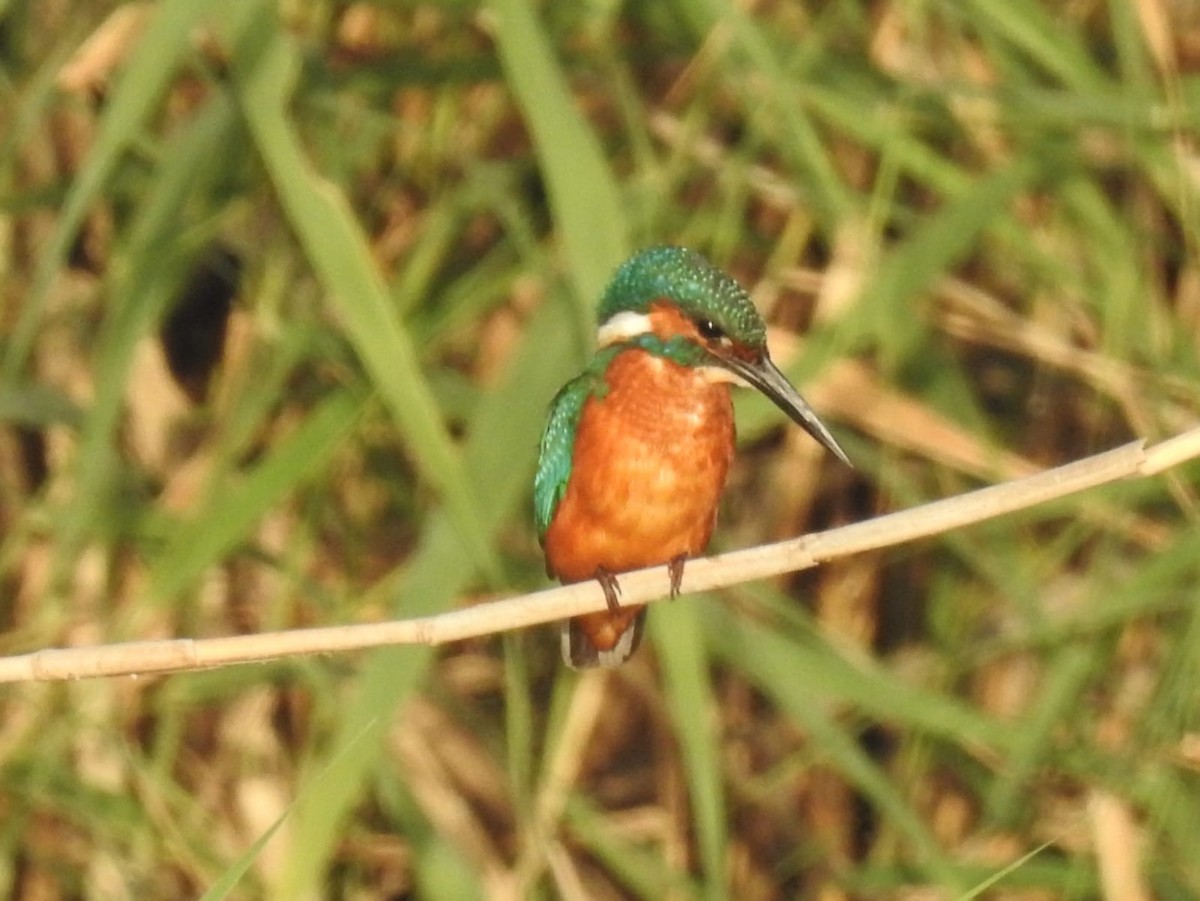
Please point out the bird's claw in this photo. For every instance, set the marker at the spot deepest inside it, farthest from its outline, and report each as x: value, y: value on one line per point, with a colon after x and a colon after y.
x: 612, y: 588
x: 675, y: 569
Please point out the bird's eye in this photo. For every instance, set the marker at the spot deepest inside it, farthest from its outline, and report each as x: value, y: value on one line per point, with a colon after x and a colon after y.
x: 709, y: 330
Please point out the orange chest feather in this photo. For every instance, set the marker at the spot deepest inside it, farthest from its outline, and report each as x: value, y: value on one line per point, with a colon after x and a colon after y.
x: 650, y: 460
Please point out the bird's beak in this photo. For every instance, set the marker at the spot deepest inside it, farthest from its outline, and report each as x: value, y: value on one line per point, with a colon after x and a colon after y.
x: 764, y: 375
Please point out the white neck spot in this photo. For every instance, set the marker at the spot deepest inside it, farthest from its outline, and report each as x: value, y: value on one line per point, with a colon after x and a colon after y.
x: 622, y: 327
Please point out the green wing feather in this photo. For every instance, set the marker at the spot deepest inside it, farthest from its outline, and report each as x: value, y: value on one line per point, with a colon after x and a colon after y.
x: 557, y: 449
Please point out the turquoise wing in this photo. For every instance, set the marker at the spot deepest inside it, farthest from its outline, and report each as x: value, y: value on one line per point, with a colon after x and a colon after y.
x: 557, y: 449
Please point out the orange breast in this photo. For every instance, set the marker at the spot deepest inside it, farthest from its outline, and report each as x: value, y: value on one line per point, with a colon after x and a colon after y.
x: 651, y: 457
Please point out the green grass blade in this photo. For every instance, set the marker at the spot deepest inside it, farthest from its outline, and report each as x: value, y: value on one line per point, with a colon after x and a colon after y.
x: 934, y: 248
x: 500, y: 453
x: 265, y: 66
x: 233, y: 511
x: 154, y: 61
x: 693, y: 710
x: 774, y: 96
x: 583, y: 194
x: 142, y: 284
x: 1003, y: 872
x: 1033, y: 737
x: 229, y: 880
x: 860, y: 683
x: 770, y: 662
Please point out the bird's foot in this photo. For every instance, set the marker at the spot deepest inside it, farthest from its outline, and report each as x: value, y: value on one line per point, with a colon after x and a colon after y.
x: 675, y: 569
x: 612, y: 589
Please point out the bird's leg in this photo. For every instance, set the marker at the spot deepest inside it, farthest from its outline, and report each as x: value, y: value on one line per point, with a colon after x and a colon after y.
x: 611, y: 588
x: 675, y: 568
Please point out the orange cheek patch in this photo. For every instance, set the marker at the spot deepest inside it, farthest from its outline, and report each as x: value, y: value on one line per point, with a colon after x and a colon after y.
x: 668, y: 322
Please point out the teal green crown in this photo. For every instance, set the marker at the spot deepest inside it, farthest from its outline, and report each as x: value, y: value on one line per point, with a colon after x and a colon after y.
x: 686, y: 279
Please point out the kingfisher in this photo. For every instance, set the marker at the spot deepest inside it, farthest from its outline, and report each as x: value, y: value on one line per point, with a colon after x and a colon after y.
x: 636, y: 448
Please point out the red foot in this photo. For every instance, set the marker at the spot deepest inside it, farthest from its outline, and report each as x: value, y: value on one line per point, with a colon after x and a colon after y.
x: 611, y: 588
x: 675, y: 568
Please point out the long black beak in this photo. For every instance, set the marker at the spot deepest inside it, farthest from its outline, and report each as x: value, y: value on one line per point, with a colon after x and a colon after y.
x: 766, y: 377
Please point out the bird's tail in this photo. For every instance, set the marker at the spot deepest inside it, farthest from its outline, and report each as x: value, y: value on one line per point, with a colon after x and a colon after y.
x: 608, y: 638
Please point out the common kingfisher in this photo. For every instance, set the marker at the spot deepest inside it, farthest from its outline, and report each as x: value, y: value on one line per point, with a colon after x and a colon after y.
x: 637, y: 447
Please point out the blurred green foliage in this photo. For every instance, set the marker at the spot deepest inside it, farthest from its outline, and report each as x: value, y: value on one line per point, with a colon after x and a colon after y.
x: 985, y: 211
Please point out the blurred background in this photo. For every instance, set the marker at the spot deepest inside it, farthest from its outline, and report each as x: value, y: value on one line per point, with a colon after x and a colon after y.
x: 286, y: 290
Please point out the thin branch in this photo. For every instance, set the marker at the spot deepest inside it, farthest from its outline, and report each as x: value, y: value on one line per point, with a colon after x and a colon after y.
x: 644, y: 586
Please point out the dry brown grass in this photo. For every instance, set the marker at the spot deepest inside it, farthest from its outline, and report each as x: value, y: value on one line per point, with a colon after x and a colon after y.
x: 982, y: 218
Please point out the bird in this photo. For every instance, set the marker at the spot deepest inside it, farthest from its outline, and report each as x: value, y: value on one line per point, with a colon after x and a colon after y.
x: 637, y: 447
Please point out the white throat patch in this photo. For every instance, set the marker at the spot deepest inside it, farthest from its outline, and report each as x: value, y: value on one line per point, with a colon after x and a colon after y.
x: 622, y: 327
x: 716, y: 375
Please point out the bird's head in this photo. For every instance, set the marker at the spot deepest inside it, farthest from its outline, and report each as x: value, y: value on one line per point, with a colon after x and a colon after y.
x: 708, y: 322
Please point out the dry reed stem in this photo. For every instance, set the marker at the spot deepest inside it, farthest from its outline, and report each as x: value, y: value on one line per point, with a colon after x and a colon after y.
x: 1118, y: 842
x: 644, y: 586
